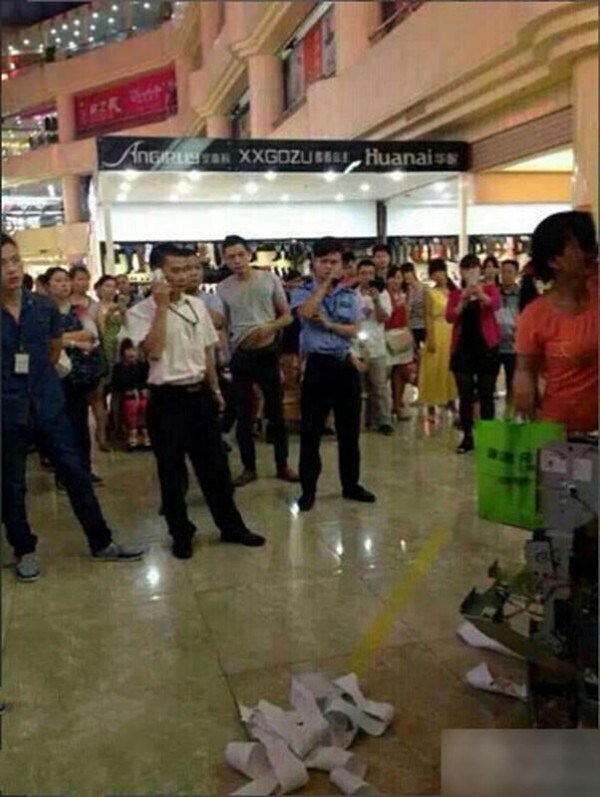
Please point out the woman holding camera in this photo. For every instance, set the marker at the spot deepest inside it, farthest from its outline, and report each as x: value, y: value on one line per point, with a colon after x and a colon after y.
x: 476, y: 337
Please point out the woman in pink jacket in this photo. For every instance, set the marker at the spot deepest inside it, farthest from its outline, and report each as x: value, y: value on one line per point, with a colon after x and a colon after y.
x: 476, y: 336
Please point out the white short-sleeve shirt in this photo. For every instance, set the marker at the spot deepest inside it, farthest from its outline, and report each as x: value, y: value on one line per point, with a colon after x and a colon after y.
x: 189, y: 332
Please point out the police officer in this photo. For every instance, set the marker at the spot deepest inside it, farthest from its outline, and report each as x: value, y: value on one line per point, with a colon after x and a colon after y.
x: 33, y: 405
x: 329, y: 313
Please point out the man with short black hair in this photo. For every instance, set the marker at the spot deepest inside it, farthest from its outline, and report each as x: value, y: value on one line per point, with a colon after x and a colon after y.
x: 329, y: 315
x: 256, y: 310
x: 177, y: 335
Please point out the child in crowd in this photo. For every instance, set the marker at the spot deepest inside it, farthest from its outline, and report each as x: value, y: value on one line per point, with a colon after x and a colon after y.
x: 129, y: 379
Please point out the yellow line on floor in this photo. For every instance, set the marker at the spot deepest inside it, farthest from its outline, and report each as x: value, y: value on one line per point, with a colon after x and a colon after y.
x: 381, y: 626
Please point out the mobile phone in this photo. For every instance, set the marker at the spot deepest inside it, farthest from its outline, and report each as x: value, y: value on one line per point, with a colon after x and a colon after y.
x: 472, y: 279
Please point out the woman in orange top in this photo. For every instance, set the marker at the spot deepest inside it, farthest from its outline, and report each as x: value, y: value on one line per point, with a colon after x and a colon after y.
x: 557, y: 334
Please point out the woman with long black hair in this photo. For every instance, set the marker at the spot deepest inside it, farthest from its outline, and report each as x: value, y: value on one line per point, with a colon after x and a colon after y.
x: 475, y: 357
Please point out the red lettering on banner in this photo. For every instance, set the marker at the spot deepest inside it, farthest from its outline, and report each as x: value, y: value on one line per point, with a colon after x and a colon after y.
x: 145, y: 99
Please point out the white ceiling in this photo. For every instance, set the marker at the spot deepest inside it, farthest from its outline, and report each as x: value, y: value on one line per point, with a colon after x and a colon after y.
x: 561, y: 160
x: 152, y: 187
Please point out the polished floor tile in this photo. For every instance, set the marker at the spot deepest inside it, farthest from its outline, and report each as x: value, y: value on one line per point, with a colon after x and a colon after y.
x: 126, y: 678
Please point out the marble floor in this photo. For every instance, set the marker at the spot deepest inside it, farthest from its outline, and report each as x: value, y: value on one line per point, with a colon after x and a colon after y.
x: 123, y: 679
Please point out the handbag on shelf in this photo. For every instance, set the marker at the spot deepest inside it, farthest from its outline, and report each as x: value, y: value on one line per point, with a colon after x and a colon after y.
x: 506, y: 462
x: 399, y: 341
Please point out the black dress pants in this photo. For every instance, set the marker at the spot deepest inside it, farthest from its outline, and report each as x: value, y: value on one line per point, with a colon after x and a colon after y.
x: 77, y: 407
x: 58, y: 442
x: 259, y: 367
x: 184, y: 421
x: 475, y: 373
x: 329, y: 384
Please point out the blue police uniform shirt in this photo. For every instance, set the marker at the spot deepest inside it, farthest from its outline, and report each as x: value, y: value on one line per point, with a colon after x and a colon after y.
x: 339, y: 306
x: 39, y: 391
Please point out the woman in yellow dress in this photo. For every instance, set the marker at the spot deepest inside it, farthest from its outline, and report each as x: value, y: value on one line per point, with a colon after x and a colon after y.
x: 436, y: 383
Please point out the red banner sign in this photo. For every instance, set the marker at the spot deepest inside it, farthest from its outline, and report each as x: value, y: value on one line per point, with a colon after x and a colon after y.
x: 139, y: 101
x: 313, y: 55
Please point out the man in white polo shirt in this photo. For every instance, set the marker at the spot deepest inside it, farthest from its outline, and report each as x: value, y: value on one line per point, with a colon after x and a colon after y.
x: 177, y: 335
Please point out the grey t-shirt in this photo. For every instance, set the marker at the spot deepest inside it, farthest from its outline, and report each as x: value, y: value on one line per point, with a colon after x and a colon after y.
x: 250, y: 303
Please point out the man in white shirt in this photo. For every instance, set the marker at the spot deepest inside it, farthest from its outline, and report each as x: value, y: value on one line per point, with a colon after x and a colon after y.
x: 256, y: 310
x: 177, y: 335
x: 375, y: 310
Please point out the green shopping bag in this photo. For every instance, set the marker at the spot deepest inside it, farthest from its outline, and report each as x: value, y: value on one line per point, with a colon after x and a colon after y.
x: 506, y: 457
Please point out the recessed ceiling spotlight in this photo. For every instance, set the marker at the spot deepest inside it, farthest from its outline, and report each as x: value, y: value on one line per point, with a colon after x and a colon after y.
x: 146, y: 6
x: 111, y: 20
x: 92, y: 27
x: 26, y: 42
x: 251, y: 187
x: 285, y: 197
x: 330, y: 176
x: 195, y: 177
x: 365, y: 187
x: 52, y: 33
x: 57, y: 40
x: 339, y: 197
x: 77, y: 23
x: 91, y: 39
x: 65, y: 26
x: 114, y: 8
x: 72, y: 45
x: 439, y: 187
x: 270, y: 176
x: 397, y: 176
x: 95, y: 15
x: 236, y: 197
x: 76, y: 33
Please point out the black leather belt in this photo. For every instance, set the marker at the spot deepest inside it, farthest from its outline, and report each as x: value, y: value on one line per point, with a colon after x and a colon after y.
x: 196, y: 387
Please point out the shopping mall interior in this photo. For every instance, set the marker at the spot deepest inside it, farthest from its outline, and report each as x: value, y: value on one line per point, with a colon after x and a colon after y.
x: 439, y: 129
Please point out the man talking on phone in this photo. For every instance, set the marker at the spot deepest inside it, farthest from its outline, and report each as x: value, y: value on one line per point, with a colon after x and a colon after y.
x: 329, y: 316
x: 177, y: 335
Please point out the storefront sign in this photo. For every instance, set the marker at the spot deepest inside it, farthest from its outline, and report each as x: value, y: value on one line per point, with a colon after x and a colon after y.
x: 117, y: 153
x: 141, y: 100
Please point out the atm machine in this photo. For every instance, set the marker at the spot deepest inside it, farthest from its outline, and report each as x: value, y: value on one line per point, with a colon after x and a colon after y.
x: 557, y: 591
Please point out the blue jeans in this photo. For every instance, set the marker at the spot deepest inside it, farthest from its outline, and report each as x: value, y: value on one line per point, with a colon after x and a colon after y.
x: 58, y: 442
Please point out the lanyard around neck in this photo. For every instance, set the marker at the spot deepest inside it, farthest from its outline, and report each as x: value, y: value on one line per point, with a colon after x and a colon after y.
x: 192, y: 321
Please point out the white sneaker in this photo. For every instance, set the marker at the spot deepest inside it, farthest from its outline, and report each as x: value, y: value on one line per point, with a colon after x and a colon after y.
x: 27, y: 568
x: 404, y: 414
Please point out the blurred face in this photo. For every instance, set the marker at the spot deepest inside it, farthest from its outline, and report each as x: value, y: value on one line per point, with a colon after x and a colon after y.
x: 80, y: 283
x: 410, y: 279
x: 237, y: 258
x: 327, y: 266
x: 508, y: 275
x: 574, y: 263
x: 439, y: 278
x: 130, y: 354
x: 107, y: 292
x: 12, y: 268
x: 366, y: 274
x: 382, y: 260
x: 349, y: 268
x: 195, y: 274
x: 471, y: 275
x: 59, y: 286
x: 124, y: 287
x: 396, y: 281
x: 291, y: 285
x: 489, y: 270
x: 176, y: 272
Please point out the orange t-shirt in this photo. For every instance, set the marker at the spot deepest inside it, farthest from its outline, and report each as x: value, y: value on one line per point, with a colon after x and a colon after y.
x: 568, y: 346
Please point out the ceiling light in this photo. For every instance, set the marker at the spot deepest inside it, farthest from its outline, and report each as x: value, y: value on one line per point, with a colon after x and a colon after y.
x: 57, y: 40
x: 26, y: 42
x: 77, y: 23
x: 91, y: 38
x: 12, y: 65
x: 52, y: 33
x: 236, y: 197
x: 72, y: 45
x: 146, y: 6
x: 95, y: 15
x: 285, y: 197
x: 18, y: 121
x: 270, y: 175
x: 339, y: 197
x: 251, y: 187
x: 92, y: 27
x: 365, y: 187
x: 114, y: 8
x: 4, y: 76
x: 330, y: 176
x: 76, y: 33
x: 397, y: 176
x: 65, y: 26
x: 111, y: 20
x: 195, y: 176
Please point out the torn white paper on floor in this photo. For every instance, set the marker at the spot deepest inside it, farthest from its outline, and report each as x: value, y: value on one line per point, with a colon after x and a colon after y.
x: 480, y: 677
x: 475, y: 638
x: 326, y: 718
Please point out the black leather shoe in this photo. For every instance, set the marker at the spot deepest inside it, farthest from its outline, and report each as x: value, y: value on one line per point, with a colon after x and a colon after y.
x: 466, y: 445
x: 305, y: 503
x: 359, y: 494
x: 183, y: 548
x: 244, y: 537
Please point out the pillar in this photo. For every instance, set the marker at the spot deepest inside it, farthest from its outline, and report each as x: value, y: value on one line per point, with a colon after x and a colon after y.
x: 218, y: 126
x: 265, y: 78
x: 65, y: 111
x: 585, y: 134
x: 463, y: 209
x: 71, y: 195
x: 353, y: 24
x: 209, y: 25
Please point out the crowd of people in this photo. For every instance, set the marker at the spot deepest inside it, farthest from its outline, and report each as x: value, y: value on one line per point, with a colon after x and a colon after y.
x: 176, y: 370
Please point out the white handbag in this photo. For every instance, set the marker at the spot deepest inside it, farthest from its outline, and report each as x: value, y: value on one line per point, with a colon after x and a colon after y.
x: 64, y: 365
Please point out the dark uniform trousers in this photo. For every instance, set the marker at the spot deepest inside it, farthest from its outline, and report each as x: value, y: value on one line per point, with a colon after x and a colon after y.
x: 259, y: 367
x: 329, y: 384
x: 57, y: 440
x: 184, y: 420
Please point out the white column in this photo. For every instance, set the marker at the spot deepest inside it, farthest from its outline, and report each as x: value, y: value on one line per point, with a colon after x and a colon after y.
x: 209, y: 25
x: 265, y: 78
x: 109, y: 261
x: 463, y: 210
x: 65, y: 111
x: 218, y: 126
x: 585, y: 134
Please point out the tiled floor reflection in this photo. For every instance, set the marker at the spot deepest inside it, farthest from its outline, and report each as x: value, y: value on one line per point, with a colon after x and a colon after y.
x: 123, y: 679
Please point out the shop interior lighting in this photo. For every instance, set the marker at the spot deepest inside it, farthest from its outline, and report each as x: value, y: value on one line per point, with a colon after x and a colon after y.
x: 146, y: 6
x: 270, y: 176
x: 72, y: 45
x: 58, y: 40
x: 26, y: 42
x: 339, y: 197
x: 365, y: 187
x: 330, y: 176
x: 53, y: 31
x: 95, y: 15
x: 92, y: 27
x: 111, y: 20
x: 397, y: 176
x: 114, y: 8
x: 91, y: 39
x: 236, y: 198
x: 195, y: 177
x: 65, y: 26
x: 52, y: 191
x: 12, y: 65
x: 77, y: 23
x: 285, y: 198
x: 76, y: 33
x: 251, y: 187
x: 131, y: 175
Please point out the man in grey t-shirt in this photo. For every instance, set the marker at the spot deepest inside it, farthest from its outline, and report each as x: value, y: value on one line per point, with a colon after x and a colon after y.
x: 256, y: 309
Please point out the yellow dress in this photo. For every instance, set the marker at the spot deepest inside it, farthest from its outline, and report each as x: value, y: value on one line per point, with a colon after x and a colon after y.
x: 436, y: 382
